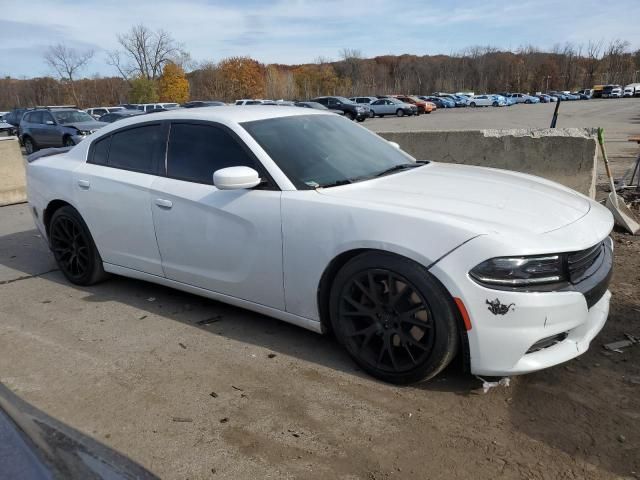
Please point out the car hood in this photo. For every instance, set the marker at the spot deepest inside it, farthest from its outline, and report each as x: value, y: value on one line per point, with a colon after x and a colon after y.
x: 86, y: 125
x: 487, y: 199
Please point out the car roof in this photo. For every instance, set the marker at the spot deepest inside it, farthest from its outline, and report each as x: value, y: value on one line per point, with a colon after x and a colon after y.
x: 226, y: 114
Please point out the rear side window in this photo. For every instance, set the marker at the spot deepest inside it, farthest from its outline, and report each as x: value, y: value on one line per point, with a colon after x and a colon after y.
x: 196, y: 151
x: 101, y: 151
x: 137, y: 149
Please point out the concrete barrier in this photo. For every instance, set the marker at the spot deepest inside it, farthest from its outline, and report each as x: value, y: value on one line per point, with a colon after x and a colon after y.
x: 564, y: 155
x: 13, y: 187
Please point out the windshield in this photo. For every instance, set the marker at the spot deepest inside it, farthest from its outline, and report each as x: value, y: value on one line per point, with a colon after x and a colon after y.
x: 325, y: 150
x: 344, y: 100
x: 72, y: 116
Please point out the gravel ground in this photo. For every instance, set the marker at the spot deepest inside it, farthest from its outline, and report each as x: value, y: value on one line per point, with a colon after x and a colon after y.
x: 263, y: 399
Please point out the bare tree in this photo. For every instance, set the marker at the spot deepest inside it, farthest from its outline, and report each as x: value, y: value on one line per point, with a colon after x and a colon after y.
x: 67, y: 62
x: 145, y: 52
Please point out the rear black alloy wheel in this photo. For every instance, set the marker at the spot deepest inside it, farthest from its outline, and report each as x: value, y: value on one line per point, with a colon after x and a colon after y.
x: 68, y: 142
x: 393, y: 318
x: 73, y: 248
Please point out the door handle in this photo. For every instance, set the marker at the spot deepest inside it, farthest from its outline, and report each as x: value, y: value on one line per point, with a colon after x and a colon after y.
x: 84, y: 184
x: 164, y: 203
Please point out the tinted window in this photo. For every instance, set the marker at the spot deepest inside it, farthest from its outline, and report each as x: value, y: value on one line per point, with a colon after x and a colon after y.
x: 136, y: 149
x: 46, y: 117
x: 109, y: 117
x: 101, y: 151
x: 196, y: 151
x: 35, y: 117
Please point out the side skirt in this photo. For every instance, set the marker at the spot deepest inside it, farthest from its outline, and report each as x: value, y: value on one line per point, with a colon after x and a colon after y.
x: 312, y: 325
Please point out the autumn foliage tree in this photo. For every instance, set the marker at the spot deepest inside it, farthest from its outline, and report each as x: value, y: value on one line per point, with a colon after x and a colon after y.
x: 173, y: 85
x: 243, y: 77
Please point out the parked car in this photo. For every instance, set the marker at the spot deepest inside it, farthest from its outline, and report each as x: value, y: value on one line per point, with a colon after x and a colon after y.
x: 322, y: 223
x: 487, y: 101
x: 2, y: 114
x: 523, y: 98
x: 612, y: 91
x: 421, y: 105
x: 36, y: 446
x: 249, y: 101
x: 14, y: 116
x: 581, y: 96
x: 7, y: 128
x: 559, y: 95
x: 97, y: 112
x: 458, y: 100
x: 352, y: 110
x: 203, y: 103
x: 392, y: 106
x: 588, y: 92
x: 631, y: 90
x: 151, y: 107
x: 119, y: 115
x: 363, y: 100
x: 63, y: 127
x: 440, y: 102
x: 543, y: 98
x: 317, y: 106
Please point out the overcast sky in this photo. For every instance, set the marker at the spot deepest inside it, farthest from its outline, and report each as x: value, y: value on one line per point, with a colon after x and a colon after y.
x: 298, y: 31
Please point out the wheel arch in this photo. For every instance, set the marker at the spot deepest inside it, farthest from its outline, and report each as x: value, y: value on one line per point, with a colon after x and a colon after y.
x: 50, y: 209
x: 340, y: 260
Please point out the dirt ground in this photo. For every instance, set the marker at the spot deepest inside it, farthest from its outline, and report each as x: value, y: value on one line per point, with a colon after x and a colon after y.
x: 195, y: 389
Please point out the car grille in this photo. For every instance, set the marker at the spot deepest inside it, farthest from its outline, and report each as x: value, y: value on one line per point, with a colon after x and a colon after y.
x: 579, y: 263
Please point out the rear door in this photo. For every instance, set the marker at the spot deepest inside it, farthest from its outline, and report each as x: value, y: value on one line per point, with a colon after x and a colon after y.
x: 226, y: 241
x: 113, y: 195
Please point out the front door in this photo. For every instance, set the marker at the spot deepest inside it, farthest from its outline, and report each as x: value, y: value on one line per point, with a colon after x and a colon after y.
x: 226, y: 241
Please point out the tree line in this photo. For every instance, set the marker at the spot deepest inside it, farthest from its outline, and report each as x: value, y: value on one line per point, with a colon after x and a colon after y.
x: 151, y: 66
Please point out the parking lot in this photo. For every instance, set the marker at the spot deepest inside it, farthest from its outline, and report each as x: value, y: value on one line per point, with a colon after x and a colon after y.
x: 620, y: 119
x: 192, y: 388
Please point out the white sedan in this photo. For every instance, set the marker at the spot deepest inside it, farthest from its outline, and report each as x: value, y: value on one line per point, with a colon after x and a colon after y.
x: 309, y: 218
x: 487, y: 101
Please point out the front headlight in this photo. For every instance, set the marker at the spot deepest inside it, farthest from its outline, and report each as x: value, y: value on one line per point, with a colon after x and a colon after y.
x: 520, y: 271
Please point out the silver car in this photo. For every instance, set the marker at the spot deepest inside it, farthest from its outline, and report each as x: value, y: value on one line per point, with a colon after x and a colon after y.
x: 392, y: 106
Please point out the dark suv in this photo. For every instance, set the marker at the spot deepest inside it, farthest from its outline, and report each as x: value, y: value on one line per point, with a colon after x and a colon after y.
x: 64, y: 127
x: 352, y: 110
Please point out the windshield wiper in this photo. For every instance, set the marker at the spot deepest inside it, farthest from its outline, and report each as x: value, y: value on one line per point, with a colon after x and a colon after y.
x: 398, y: 168
x: 337, y: 183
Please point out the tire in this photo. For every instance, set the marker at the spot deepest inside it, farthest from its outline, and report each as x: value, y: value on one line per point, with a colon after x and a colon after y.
x: 350, y: 116
x: 400, y: 112
x: 68, y: 238
x: 495, y: 104
x: 472, y: 104
x: 29, y: 145
x: 68, y: 142
x: 527, y: 101
x: 401, y: 334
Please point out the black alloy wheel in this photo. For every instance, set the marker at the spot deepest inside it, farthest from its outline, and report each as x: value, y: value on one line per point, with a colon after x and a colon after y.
x: 393, y: 318
x: 68, y: 142
x: 29, y: 145
x: 73, y: 248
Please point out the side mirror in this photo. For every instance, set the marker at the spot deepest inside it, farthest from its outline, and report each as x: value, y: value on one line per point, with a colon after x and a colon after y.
x: 394, y: 144
x: 50, y: 122
x: 236, y: 178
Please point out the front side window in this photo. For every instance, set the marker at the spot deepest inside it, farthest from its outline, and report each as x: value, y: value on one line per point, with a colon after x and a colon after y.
x: 325, y: 150
x: 196, y: 151
x: 137, y: 149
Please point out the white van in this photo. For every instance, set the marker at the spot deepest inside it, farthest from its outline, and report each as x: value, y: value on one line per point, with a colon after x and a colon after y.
x: 150, y: 107
x: 631, y: 90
